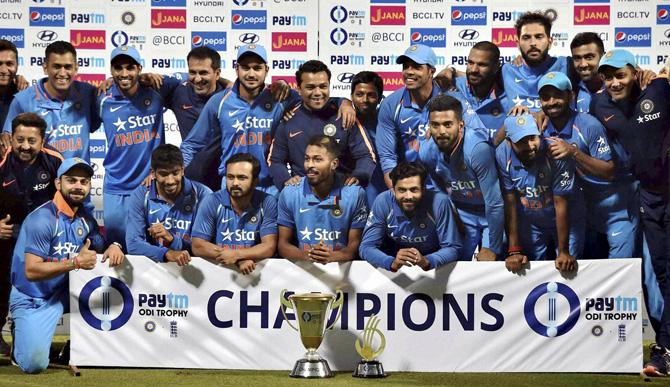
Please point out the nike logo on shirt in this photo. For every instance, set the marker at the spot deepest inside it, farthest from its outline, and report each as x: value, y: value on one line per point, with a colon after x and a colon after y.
x: 151, y: 212
x: 7, y: 183
x: 114, y: 108
x: 608, y: 118
x: 186, y: 107
x: 293, y: 134
x: 303, y: 210
x: 226, y: 220
x: 230, y: 114
x: 517, y: 80
x: 405, y: 120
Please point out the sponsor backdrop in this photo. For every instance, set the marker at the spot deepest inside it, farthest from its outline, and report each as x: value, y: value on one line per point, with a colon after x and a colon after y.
x: 208, y: 316
x: 348, y: 35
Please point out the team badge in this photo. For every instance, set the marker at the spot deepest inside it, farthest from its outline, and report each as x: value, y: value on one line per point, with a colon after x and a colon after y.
x: 336, y: 211
x: 413, y: 47
x: 551, y: 76
x: 252, y: 46
x: 147, y: 102
x: 123, y: 48
x: 422, y: 225
x: 647, y: 106
x: 329, y: 130
x: 268, y: 106
x: 128, y: 18
x: 253, y: 219
x: 609, y: 54
x: 149, y: 326
x: 520, y: 121
x: 188, y: 208
x: 43, y: 176
x: 80, y: 231
x: 77, y: 106
x: 541, y: 175
x: 495, y: 112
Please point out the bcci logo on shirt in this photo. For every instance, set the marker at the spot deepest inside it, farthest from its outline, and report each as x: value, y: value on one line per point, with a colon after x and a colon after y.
x: 551, y: 309
x: 105, y: 303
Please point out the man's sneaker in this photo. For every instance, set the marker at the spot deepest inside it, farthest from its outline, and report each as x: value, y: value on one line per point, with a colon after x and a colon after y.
x: 659, y: 362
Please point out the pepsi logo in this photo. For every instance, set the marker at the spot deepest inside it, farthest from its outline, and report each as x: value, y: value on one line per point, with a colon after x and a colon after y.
x: 416, y: 37
x: 663, y: 14
x: 457, y: 15
x: 620, y: 36
x: 35, y: 16
x: 197, y: 40
x: 237, y: 18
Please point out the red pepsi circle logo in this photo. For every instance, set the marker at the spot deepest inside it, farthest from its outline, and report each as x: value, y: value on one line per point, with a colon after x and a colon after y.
x: 416, y: 37
x: 237, y: 18
x: 662, y: 14
x: 620, y: 36
x: 35, y: 16
x: 197, y: 40
x: 457, y: 15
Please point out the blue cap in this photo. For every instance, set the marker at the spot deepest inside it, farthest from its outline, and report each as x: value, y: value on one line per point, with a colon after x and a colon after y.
x: 70, y: 163
x: 617, y: 59
x: 128, y: 51
x: 255, y: 49
x: 420, y: 54
x: 556, y: 79
x: 520, y: 126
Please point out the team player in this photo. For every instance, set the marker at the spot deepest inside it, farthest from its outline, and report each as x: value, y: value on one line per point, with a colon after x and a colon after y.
x: 367, y: 90
x: 536, y: 193
x: 27, y: 173
x: 10, y: 84
x: 410, y: 225
x: 238, y: 224
x: 640, y: 120
x: 58, y: 237
x: 462, y: 164
x: 133, y: 119
x: 161, y: 216
x: 67, y: 105
x: 245, y: 115
x: 325, y: 216
x: 318, y: 115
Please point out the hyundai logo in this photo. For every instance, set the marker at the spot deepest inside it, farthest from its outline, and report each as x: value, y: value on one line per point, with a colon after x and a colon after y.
x: 468, y: 34
x: 667, y: 33
x: 47, y: 35
x: 249, y: 38
x: 345, y: 77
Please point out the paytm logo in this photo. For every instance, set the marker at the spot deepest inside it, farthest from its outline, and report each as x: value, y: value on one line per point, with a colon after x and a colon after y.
x: 168, y: 3
x: 663, y: 14
x: 431, y: 37
x: 47, y: 17
x: 468, y: 16
x: 249, y: 20
x: 213, y: 39
x: 14, y: 35
x: 632, y: 37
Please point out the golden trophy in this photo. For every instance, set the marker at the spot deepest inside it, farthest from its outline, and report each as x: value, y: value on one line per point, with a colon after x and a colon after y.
x: 368, y: 367
x: 312, y: 311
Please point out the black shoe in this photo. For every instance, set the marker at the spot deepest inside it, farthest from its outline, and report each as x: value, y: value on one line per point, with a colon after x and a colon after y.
x: 63, y: 357
x: 659, y: 362
x: 5, y: 349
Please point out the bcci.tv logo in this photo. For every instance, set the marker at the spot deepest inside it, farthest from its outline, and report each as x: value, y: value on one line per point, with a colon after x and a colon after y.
x: 249, y: 20
x: 431, y: 37
x: 103, y: 292
x: 632, y: 37
x: 551, y: 295
x: 47, y: 17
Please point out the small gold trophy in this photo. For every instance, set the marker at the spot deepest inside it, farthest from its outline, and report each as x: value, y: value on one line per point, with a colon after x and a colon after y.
x: 312, y: 311
x: 369, y: 367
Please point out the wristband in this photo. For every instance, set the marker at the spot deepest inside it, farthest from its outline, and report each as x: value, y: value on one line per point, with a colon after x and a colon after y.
x: 76, y: 263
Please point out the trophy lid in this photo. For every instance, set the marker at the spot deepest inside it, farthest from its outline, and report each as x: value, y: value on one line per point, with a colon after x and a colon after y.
x: 314, y: 296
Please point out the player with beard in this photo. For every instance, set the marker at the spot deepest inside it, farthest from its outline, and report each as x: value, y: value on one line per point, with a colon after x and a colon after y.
x: 537, y: 191
x: 237, y: 225
x: 27, y: 172
x: 325, y: 216
x: 10, y: 84
x: 58, y: 237
x: 462, y: 164
x: 160, y: 217
x: 409, y: 225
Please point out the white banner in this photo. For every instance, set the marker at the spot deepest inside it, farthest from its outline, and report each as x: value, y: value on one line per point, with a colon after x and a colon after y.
x: 465, y: 317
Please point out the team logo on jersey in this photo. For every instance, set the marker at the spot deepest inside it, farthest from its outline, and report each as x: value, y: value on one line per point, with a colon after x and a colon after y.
x: 80, y: 231
x: 422, y: 225
x: 188, y: 208
x: 329, y: 130
x: 77, y: 106
x: 647, y: 106
x: 253, y: 220
x: 495, y: 112
x: 43, y: 176
x: 147, y: 102
x: 336, y: 211
x: 541, y: 175
x: 268, y: 106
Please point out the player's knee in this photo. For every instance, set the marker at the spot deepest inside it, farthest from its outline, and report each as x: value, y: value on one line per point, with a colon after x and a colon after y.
x: 34, y: 363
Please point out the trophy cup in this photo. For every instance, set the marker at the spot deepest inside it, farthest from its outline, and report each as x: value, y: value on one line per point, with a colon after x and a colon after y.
x: 312, y: 311
x: 368, y: 367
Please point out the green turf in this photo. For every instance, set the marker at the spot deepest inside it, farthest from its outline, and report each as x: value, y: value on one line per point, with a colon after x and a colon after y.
x: 116, y: 377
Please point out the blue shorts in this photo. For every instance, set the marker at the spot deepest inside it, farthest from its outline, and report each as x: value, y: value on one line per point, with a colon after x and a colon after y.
x: 35, y: 321
x: 476, y: 232
x: 115, y: 216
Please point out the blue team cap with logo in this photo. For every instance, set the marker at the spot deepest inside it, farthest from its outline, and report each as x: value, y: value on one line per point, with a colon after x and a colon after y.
x: 70, y: 163
x: 521, y: 126
x: 617, y: 59
x: 419, y: 53
x: 556, y: 79
x: 252, y: 49
x: 128, y: 51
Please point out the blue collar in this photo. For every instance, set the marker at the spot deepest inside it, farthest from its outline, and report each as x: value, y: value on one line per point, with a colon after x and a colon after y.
x: 566, y: 131
x: 407, y: 99
x: 186, y: 196
x: 333, y: 197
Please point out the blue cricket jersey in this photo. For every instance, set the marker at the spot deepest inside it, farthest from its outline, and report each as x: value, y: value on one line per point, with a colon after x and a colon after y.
x: 357, y: 156
x: 244, y: 127
x: 521, y: 81
x: 329, y: 220
x: 134, y: 129
x: 146, y: 207
x: 218, y: 223
x: 52, y: 232
x: 491, y: 110
x: 470, y: 178
x: 582, y: 101
x: 69, y: 122
x: 431, y: 230
x: 6, y: 99
x: 401, y: 124
x: 376, y: 185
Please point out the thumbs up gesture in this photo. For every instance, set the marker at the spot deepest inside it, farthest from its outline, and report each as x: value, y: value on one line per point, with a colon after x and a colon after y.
x: 6, y: 229
x: 86, y: 257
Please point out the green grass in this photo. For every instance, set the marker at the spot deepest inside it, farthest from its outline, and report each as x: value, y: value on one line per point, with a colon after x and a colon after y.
x: 116, y: 377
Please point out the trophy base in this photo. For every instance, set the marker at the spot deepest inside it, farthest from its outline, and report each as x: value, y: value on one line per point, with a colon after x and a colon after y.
x: 311, y: 369
x: 369, y: 369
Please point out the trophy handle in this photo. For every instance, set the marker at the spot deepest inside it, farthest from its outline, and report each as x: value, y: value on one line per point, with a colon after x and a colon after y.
x: 337, y: 304
x: 287, y: 305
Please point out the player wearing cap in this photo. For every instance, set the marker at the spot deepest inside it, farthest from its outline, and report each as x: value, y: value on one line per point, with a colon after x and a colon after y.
x: 640, y: 120
x: 462, y: 164
x: 238, y: 224
x: 403, y: 116
x: 482, y: 86
x: 68, y: 106
x: 58, y: 237
x: 27, y: 173
x: 410, y: 225
x: 161, y: 216
x: 318, y: 115
x: 537, y: 191
x: 133, y: 119
x: 245, y: 115
x: 324, y: 215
